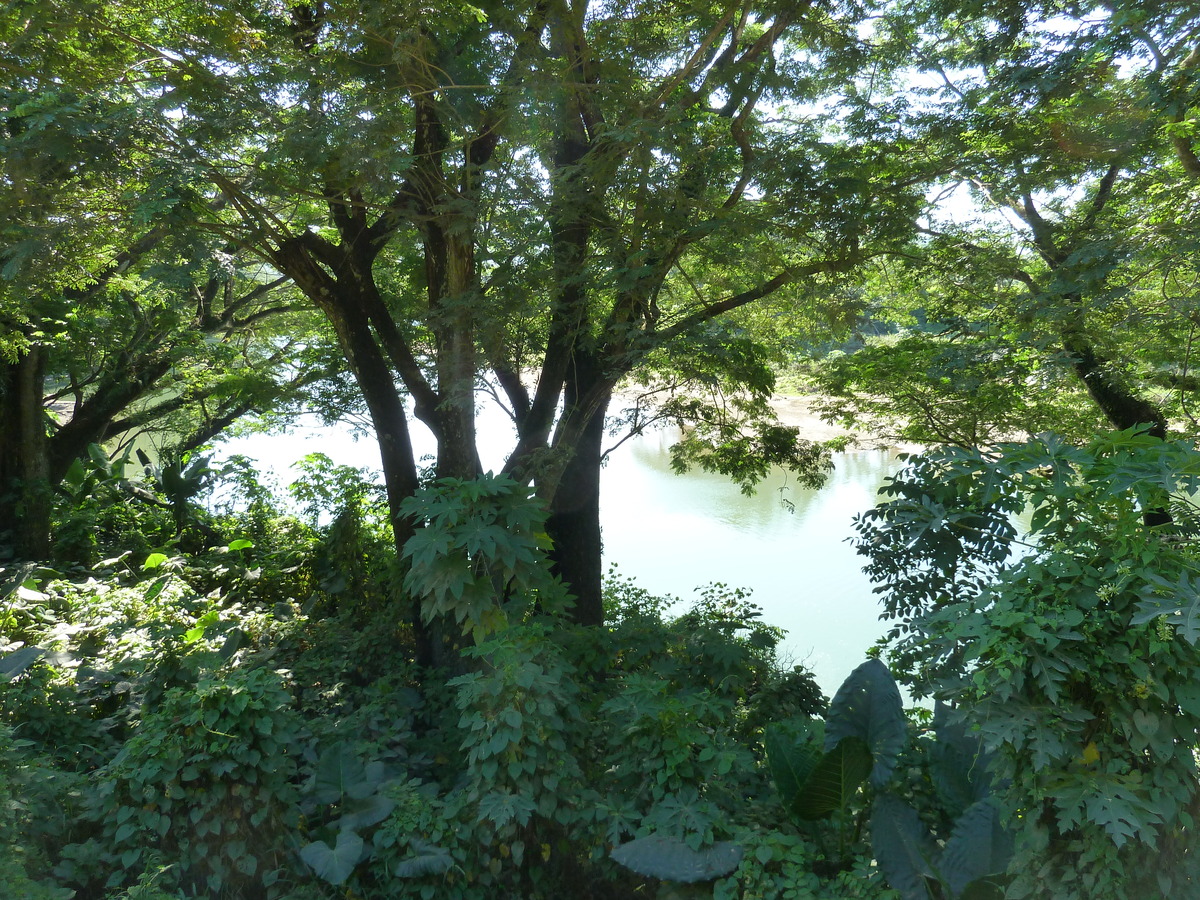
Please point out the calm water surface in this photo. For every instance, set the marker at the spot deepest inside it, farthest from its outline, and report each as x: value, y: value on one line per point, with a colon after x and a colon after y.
x: 674, y: 534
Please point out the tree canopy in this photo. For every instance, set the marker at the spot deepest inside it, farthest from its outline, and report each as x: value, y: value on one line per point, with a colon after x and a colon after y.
x: 550, y: 196
x: 1057, y: 264
x: 977, y: 218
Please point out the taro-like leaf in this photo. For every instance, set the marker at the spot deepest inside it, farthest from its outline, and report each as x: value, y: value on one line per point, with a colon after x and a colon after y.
x: 340, y: 773
x: 792, y: 757
x: 370, y: 810
x: 902, y: 846
x: 834, y: 780
x: 14, y: 578
x: 959, y: 766
x: 334, y: 865
x: 670, y: 859
x: 979, y: 846
x: 868, y: 706
x: 13, y: 664
x: 427, y: 859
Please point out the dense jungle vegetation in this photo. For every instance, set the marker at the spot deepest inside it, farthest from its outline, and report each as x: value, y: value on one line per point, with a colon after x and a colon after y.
x: 965, y: 224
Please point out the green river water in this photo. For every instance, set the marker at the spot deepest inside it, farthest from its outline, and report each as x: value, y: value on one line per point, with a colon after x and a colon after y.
x: 674, y: 534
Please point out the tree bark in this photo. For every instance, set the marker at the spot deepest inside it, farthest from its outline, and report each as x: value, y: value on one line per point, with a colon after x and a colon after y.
x: 574, y: 521
x: 24, y: 466
x: 92, y: 420
x: 1121, y: 406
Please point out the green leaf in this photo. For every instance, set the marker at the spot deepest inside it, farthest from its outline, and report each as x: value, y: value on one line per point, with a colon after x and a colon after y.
x: 371, y: 810
x: 670, y: 859
x: 14, y: 663
x: 792, y: 759
x: 959, y: 767
x: 868, y: 706
x: 428, y: 859
x: 340, y: 774
x: 902, y: 846
x: 154, y: 560
x: 156, y: 588
x: 835, y: 780
x: 334, y: 865
x: 979, y: 846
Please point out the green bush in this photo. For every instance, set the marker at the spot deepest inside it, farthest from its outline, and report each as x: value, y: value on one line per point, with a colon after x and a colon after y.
x: 207, y: 781
x: 230, y: 747
x: 1075, y: 653
x: 23, y: 822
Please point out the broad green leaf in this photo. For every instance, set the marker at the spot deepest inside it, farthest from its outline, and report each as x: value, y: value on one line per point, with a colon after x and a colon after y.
x: 835, y: 779
x: 792, y: 759
x: 868, y: 706
x: 978, y: 846
x: 337, y: 864
x: 154, y: 560
x: 671, y: 859
x: 340, y: 774
x: 427, y: 859
x: 958, y: 765
x: 14, y: 663
x: 903, y: 847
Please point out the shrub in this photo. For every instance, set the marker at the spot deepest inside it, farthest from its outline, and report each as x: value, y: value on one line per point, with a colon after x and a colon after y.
x: 1074, y: 653
x: 207, y: 782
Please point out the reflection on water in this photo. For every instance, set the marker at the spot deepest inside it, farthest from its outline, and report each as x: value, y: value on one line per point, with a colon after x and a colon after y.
x: 787, y: 543
x: 673, y: 533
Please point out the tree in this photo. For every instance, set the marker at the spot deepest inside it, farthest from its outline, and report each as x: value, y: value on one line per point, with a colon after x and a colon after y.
x: 550, y: 193
x: 1072, y: 139
x: 1073, y: 658
x: 118, y: 314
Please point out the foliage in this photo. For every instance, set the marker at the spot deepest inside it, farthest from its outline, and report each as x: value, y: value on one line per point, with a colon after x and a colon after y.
x: 352, y: 790
x: 972, y: 848
x: 21, y: 856
x: 106, y: 507
x: 354, y: 559
x: 856, y: 765
x: 670, y: 859
x: 506, y: 198
x: 207, y: 779
x: 968, y: 390
x: 237, y: 748
x: 120, y: 685
x: 480, y: 555
x: 1072, y: 652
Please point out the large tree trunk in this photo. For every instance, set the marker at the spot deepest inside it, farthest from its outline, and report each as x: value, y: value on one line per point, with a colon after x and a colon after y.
x: 24, y: 467
x: 574, y: 522
x: 347, y: 306
x: 1120, y: 405
x: 574, y: 526
x: 450, y: 268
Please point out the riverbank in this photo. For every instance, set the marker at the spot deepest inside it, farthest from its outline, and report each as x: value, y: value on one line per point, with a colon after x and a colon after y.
x: 800, y: 411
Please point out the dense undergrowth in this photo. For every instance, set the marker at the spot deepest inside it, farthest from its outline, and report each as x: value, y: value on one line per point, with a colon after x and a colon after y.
x: 201, y: 704
x: 232, y: 710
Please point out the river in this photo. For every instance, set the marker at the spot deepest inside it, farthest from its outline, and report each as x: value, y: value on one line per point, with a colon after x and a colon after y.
x: 673, y: 534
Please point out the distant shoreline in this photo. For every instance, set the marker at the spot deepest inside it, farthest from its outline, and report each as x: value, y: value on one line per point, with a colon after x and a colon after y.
x: 798, y: 410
